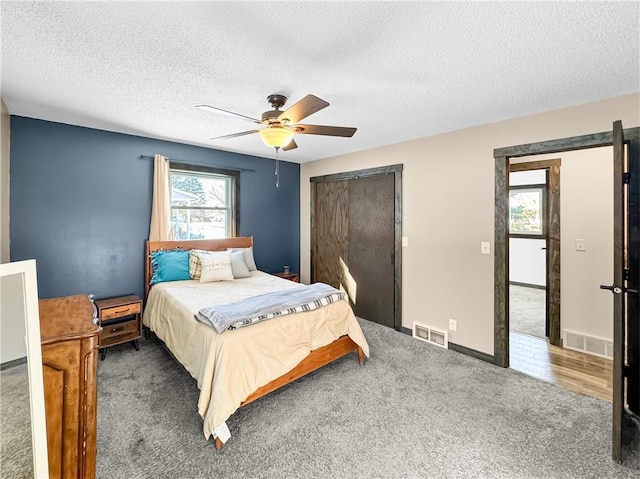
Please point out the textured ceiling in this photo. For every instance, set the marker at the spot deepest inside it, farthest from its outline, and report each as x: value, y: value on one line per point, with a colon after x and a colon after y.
x: 395, y: 70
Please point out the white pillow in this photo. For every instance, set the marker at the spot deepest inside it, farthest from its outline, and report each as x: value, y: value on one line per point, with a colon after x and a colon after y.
x: 248, y: 257
x: 238, y: 266
x: 216, y: 267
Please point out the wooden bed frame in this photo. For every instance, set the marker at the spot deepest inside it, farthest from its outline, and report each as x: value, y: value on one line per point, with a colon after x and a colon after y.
x: 316, y: 358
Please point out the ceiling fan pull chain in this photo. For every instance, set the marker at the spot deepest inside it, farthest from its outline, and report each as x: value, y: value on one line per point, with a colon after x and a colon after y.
x: 277, y: 173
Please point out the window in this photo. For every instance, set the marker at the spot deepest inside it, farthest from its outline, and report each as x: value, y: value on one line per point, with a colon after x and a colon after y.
x: 526, y: 210
x: 203, y: 202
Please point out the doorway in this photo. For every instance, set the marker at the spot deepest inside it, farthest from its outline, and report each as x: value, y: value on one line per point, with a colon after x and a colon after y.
x: 534, y: 248
x: 626, y: 263
x: 356, y: 228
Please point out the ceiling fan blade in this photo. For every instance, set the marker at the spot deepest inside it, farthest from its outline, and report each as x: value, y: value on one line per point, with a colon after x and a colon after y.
x: 325, y: 130
x: 213, y: 109
x: 291, y: 146
x: 234, y: 135
x: 305, y: 107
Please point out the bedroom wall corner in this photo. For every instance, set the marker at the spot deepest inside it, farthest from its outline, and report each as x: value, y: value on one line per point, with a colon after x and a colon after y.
x: 12, y: 345
x: 81, y: 205
x: 5, y: 138
x: 448, y: 208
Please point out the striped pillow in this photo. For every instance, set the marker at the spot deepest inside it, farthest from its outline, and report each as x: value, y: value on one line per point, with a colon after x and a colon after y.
x: 195, y: 267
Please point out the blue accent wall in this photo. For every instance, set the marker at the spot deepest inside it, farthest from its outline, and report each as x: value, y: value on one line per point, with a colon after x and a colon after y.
x: 81, y: 205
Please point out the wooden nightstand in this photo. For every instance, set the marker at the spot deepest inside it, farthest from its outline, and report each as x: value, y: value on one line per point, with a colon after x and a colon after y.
x: 295, y: 277
x: 121, y: 321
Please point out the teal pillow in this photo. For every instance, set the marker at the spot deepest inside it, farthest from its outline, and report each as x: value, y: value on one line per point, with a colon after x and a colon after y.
x: 170, y: 265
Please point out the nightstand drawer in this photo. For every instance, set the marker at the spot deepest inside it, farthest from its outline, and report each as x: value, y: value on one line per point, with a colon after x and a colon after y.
x: 120, y: 311
x: 119, y: 332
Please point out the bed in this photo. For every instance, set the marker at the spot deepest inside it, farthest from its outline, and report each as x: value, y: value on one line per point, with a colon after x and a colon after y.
x: 239, y: 366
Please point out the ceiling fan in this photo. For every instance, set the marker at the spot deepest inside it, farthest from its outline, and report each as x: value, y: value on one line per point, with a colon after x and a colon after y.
x: 281, y: 126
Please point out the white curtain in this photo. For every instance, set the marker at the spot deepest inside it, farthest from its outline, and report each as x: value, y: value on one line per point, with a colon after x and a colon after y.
x: 161, y: 207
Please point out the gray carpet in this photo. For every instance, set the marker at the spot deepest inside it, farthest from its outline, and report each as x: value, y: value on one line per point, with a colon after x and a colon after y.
x: 527, y: 310
x: 413, y: 410
x: 16, y: 459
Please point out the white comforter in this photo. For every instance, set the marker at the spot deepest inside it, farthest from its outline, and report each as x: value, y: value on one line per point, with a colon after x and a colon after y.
x: 230, y: 366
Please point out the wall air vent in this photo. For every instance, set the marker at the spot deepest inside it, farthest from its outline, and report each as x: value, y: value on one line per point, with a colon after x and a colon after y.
x: 595, y: 346
x: 610, y: 350
x: 430, y: 335
x: 574, y: 341
x: 588, y: 344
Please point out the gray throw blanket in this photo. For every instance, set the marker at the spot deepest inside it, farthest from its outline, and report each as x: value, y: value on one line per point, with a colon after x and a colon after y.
x: 266, y: 306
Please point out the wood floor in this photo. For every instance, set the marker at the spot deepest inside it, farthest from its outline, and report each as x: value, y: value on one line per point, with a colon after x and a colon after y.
x: 578, y: 372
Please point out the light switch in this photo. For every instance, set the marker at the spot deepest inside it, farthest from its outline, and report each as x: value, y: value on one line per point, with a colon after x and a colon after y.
x: 581, y: 245
x: 405, y: 241
x: 485, y: 247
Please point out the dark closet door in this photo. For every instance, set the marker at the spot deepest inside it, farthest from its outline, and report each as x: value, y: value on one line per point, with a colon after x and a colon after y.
x: 331, y: 232
x: 371, y: 257
x: 356, y: 222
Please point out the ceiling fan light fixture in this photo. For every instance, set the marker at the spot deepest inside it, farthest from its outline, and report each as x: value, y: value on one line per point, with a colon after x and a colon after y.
x: 276, y: 136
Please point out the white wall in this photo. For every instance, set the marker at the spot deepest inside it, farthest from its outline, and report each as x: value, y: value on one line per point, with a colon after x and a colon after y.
x: 4, y: 183
x: 527, y: 261
x: 12, y: 330
x: 527, y: 177
x: 12, y: 345
x: 586, y: 212
x: 448, y: 204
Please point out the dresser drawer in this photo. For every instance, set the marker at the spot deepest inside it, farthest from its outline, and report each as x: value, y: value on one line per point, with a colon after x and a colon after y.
x: 120, y: 311
x: 119, y: 332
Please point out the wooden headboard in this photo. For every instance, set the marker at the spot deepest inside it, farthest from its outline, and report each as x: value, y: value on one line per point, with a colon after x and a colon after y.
x: 210, y: 245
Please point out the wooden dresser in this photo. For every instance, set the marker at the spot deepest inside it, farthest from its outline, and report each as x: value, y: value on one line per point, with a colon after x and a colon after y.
x: 69, y: 357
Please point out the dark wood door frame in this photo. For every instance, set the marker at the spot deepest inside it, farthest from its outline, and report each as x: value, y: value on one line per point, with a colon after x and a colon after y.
x: 552, y: 236
x: 395, y: 170
x: 501, y: 221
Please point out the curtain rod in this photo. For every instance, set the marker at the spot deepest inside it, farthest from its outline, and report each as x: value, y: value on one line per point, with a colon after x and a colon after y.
x: 147, y: 157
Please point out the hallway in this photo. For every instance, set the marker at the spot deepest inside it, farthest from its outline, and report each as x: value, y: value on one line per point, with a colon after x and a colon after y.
x: 578, y: 372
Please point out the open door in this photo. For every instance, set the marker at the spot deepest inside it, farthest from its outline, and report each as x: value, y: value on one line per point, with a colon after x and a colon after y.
x: 633, y: 278
x: 625, y: 290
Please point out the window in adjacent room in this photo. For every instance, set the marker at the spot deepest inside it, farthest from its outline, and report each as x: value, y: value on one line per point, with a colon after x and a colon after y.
x: 526, y: 210
x: 204, y: 202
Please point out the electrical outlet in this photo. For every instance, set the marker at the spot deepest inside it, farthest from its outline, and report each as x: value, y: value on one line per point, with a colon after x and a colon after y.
x: 405, y: 241
x: 453, y: 325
